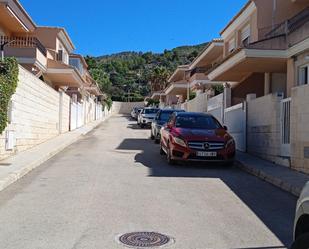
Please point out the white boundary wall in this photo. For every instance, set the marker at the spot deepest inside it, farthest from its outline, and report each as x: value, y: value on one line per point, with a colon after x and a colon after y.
x: 198, y: 104
x: 215, y: 107
x: 125, y: 107
x: 35, y: 115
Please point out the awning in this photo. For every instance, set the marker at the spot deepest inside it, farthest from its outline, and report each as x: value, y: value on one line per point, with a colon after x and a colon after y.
x: 247, y: 61
x: 177, y: 88
x: 157, y: 95
x: 14, y: 17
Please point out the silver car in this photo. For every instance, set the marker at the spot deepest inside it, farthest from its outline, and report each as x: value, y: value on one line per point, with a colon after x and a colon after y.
x: 135, y: 111
x: 146, y: 116
x: 301, y: 223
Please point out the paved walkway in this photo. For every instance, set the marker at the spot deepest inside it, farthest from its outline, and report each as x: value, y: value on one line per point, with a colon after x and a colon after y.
x: 280, y: 176
x: 17, y: 166
x: 114, y: 181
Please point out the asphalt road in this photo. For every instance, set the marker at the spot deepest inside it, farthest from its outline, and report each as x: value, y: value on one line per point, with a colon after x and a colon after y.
x: 114, y: 181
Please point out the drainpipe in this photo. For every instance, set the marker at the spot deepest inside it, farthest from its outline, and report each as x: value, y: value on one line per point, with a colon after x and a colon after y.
x: 274, y: 13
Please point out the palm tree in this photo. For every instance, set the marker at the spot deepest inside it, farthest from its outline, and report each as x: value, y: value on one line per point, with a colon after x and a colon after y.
x: 158, y: 78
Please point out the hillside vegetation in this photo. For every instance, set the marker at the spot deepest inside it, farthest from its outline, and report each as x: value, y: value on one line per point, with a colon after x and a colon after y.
x: 127, y: 75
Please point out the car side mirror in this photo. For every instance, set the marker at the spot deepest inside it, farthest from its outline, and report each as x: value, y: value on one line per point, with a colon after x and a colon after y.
x: 225, y: 127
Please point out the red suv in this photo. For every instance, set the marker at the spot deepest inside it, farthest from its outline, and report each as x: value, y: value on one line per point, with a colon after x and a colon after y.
x: 194, y: 136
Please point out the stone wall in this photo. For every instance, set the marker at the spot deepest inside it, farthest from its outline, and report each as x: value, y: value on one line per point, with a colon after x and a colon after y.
x: 35, y: 114
x: 125, y: 107
x: 263, y: 127
x: 300, y: 128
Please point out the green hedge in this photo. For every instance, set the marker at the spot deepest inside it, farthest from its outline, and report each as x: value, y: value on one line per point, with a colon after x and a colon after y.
x: 8, y: 84
x: 125, y: 99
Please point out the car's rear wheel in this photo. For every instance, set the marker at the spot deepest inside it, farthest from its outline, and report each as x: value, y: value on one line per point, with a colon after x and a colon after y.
x: 157, y: 140
x: 169, y: 159
x: 302, y: 242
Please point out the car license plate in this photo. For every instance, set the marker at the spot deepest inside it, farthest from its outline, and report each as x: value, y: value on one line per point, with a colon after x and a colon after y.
x: 206, y: 154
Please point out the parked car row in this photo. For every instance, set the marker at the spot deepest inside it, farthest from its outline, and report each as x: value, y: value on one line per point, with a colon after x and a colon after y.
x: 188, y: 136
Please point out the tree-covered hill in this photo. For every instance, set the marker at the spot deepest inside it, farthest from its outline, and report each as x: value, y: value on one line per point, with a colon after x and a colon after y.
x: 128, y: 74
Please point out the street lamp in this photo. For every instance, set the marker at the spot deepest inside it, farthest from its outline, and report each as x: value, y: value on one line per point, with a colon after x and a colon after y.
x: 2, y: 46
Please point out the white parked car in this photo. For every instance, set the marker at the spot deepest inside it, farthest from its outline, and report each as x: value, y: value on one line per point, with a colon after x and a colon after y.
x: 146, y: 116
x: 135, y: 111
x: 301, y: 223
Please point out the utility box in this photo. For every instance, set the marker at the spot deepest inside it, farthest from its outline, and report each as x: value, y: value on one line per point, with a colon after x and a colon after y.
x: 10, y: 140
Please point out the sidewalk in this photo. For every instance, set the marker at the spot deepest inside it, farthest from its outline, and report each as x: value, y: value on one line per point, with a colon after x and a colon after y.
x: 15, y: 167
x: 280, y: 176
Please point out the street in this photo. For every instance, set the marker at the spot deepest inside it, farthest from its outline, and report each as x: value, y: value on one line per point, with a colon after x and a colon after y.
x: 114, y: 181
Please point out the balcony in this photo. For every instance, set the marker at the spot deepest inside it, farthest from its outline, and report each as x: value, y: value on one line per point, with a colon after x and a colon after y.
x: 27, y: 50
x: 284, y: 35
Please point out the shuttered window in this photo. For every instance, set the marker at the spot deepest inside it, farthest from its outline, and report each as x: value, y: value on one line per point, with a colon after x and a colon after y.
x: 231, y: 45
x: 245, y: 32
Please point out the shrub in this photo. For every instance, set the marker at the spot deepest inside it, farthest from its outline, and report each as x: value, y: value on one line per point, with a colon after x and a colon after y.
x: 8, y: 83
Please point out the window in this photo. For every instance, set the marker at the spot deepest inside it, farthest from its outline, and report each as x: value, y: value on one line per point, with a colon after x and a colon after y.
x: 151, y: 111
x: 245, y: 35
x: 303, y: 76
x: 232, y: 45
x: 197, y: 122
x: 75, y: 62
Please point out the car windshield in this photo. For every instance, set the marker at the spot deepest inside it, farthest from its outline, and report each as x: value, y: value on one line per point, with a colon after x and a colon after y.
x: 151, y: 111
x: 164, y: 116
x: 197, y: 122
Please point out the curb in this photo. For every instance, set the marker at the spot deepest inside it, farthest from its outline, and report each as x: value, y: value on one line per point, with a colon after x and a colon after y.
x: 18, y: 174
x: 270, y: 179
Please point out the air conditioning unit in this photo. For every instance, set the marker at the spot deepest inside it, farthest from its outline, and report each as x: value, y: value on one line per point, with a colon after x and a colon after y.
x: 10, y: 140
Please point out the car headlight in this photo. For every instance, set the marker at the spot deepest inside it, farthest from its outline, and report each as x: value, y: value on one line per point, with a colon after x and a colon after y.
x: 180, y: 141
x: 229, y: 143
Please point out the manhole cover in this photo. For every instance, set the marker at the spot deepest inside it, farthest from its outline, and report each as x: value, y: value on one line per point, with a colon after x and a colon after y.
x: 144, y: 239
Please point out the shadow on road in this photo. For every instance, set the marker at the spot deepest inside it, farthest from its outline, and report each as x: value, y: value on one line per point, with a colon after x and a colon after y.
x: 272, y: 206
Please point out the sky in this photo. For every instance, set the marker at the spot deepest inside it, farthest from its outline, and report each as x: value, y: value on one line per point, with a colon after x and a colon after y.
x: 109, y: 26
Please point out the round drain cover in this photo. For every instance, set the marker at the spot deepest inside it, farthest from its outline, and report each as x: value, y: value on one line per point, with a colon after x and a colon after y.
x: 144, y: 239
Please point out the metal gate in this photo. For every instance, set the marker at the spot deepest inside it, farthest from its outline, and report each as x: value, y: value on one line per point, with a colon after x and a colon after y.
x: 285, y: 127
x: 73, y: 116
x: 235, y: 119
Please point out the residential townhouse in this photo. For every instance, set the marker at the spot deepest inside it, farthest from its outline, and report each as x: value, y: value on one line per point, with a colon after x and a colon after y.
x: 55, y: 91
x: 266, y: 54
x: 263, y: 62
x: 177, y: 90
x: 16, y: 32
x: 193, y: 78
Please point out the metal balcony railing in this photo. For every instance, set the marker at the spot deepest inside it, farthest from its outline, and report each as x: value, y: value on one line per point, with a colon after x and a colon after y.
x: 23, y: 42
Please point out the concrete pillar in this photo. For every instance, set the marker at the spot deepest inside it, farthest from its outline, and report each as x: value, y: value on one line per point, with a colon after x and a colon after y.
x: 227, y: 95
x: 250, y: 96
x: 266, y: 83
x: 290, y: 77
